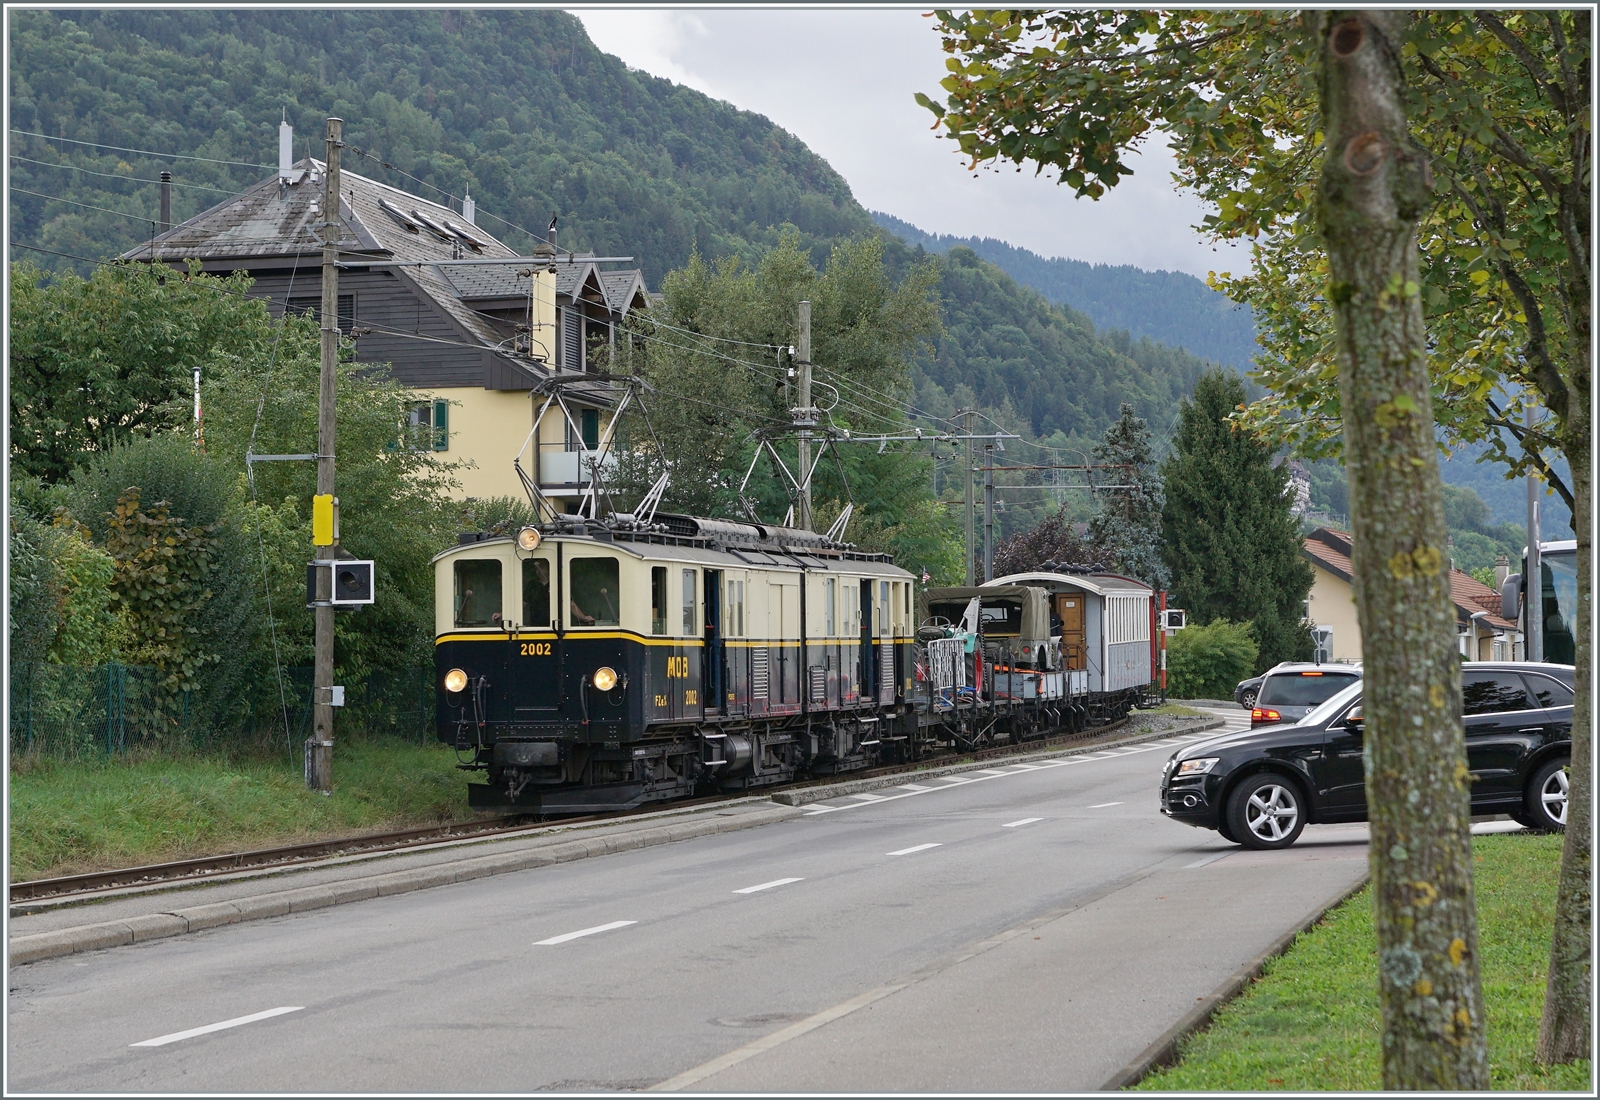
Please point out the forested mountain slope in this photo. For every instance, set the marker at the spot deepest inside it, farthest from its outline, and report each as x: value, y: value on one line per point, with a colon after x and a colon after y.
x: 1168, y: 306
x: 520, y: 107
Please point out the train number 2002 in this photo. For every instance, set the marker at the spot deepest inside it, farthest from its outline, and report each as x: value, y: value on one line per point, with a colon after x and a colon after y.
x: 535, y: 649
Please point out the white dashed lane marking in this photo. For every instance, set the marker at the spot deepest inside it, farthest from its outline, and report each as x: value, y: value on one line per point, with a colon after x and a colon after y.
x: 768, y: 885
x: 1103, y: 805
x: 1024, y: 821
x: 914, y: 848
x: 553, y: 940
x: 163, y: 1040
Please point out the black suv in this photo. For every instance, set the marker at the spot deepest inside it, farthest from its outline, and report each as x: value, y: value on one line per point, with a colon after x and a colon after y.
x: 1263, y: 787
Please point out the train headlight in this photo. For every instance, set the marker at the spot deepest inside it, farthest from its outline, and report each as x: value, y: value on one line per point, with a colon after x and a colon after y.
x: 455, y: 681
x: 604, y: 678
x: 528, y: 538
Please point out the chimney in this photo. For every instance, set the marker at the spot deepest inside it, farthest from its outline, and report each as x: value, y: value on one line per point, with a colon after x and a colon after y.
x: 166, y: 201
x: 469, y: 209
x: 285, y: 148
x: 1502, y: 570
x: 550, y: 234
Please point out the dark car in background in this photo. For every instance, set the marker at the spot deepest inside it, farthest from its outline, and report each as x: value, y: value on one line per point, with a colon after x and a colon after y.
x: 1262, y: 787
x: 1245, y: 693
x: 1288, y: 692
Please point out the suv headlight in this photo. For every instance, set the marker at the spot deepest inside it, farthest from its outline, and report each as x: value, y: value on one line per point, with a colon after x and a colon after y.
x: 1197, y: 767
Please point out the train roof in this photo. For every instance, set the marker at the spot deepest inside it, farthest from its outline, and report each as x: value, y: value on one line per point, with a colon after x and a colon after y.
x: 779, y: 553
x: 1100, y: 584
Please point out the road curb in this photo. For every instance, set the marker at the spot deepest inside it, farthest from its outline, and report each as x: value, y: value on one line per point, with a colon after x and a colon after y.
x: 1164, y: 1051
x: 278, y: 903
x: 806, y: 795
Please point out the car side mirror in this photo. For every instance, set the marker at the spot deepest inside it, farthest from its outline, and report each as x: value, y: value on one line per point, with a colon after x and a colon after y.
x: 1355, y: 720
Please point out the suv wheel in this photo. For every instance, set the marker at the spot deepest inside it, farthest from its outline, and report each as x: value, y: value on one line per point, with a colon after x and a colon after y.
x: 1266, y: 811
x: 1545, y: 805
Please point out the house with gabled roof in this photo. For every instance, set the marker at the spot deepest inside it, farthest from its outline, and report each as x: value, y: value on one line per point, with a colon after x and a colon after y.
x: 481, y: 334
x: 1481, y: 633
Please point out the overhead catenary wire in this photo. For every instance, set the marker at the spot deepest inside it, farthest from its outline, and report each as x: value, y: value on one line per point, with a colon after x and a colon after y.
x: 131, y: 179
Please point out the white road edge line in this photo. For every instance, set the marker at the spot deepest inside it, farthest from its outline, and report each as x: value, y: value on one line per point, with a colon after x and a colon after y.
x: 163, y: 1040
x: 913, y: 848
x: 1024, y: 821
x: 768, y: 885
x: 1103, y: 805
x: 553, y: 940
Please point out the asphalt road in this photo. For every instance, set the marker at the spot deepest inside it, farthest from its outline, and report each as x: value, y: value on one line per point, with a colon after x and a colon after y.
x: 1033, y: 927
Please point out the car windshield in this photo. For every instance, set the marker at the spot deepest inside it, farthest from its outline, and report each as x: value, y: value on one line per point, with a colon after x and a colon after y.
x: 1327, y: 710
x: 1301, y: 689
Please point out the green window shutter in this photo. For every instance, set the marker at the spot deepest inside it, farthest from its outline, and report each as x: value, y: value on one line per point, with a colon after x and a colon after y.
x: 441, y: 425
x: 591, y: 428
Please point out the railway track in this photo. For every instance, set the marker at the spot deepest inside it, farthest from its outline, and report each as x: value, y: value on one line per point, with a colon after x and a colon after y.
x: 203, y: 867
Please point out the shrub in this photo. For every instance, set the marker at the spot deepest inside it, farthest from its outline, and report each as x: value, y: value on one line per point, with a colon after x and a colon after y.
x: 1207, y: 662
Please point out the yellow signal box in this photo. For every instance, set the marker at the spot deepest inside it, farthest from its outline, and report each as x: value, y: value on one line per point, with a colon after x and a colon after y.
x: 324, y: 520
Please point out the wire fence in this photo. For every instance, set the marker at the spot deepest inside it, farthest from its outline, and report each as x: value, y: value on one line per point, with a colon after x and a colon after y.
x: 68, y: 712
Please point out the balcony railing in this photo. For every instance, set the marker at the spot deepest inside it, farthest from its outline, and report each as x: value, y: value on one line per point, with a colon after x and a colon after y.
x: 559, y: 466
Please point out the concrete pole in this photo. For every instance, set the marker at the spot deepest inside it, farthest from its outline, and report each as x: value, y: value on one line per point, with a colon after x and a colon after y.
x: 319, y: 750
x: 966, y: 463
x: 988, y: 512
x: 805, y: 416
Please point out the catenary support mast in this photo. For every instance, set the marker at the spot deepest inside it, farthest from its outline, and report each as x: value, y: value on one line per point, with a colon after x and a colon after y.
x: 319, y: 750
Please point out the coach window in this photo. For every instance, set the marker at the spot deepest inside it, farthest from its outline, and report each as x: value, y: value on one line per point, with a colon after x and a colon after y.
x: 883, y: 608
x: 658, y: 600
x: 478, y: 592
x: 688, y: 602
x: 594, y: 592
x: 830, y: 605
x: 535, y: 592
x: 738, y: 608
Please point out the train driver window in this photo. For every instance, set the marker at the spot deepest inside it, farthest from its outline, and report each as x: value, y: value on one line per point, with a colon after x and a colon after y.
x: 477, y: 592
x: 688, y: 603
x: 830, y: 604
x: 536, y: 593
x: 883, y: 608
x: 658, y: 600
x: 594, y: 599
x: 740, y: 605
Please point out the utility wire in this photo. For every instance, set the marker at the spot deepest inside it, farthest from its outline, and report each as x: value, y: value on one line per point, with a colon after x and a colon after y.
x: 131, y: 179
x: 85, y: 205
x: 144, y: 152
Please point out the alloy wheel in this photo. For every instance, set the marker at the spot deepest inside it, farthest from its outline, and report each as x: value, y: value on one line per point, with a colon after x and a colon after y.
x: 1554, y: 796
x: 1272, y: 811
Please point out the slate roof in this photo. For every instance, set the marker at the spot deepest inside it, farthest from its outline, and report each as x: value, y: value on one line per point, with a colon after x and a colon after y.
x: 274, y: 219
x: 1331, y: 550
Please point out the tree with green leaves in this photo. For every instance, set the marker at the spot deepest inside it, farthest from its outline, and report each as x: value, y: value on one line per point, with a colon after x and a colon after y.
x: 1242, y: 93
x: 1502, y: 105
x: 1127, y: 526
x: 113, y: 356
x: 1227, y: 532
x: 715, y: 355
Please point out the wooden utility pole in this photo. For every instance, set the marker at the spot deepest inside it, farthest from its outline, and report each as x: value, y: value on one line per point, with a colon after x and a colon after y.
x: 988, y: 512
x: 805, y: 417
x: 966, y: 463
x: 319, y: 749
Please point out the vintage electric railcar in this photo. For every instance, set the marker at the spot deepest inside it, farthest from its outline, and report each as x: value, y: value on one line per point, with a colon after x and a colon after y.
x: 589, y: 667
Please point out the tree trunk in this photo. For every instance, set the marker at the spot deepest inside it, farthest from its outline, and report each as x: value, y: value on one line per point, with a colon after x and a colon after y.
x: 1374, y: 186
x: 1564, y: 1033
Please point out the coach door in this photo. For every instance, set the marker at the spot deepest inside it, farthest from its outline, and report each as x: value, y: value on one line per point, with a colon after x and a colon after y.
x: 713, y: 676
x: 1074, y: 642
x: 868, y: 678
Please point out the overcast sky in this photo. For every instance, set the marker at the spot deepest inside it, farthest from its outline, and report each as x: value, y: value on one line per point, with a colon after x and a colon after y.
x: 843, y: 80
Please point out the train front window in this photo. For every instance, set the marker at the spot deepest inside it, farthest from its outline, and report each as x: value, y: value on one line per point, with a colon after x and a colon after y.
x: 477, y: 592
x: 658, y: 600
x: 688, y: 602
x: 594, y: 592
x: 535, y: 592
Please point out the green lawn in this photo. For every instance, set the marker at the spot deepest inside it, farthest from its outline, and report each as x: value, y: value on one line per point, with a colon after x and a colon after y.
x: 1311, y: 1021
x: 81, y: 816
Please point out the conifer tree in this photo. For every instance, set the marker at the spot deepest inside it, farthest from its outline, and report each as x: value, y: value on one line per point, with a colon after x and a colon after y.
x: 1229, y: 538
x: 1127, y: 528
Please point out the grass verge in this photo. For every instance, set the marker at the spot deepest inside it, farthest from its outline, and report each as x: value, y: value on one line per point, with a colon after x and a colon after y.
x: 1311, y: 1022
x: 1175, y: 710
x: 68, y: 818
